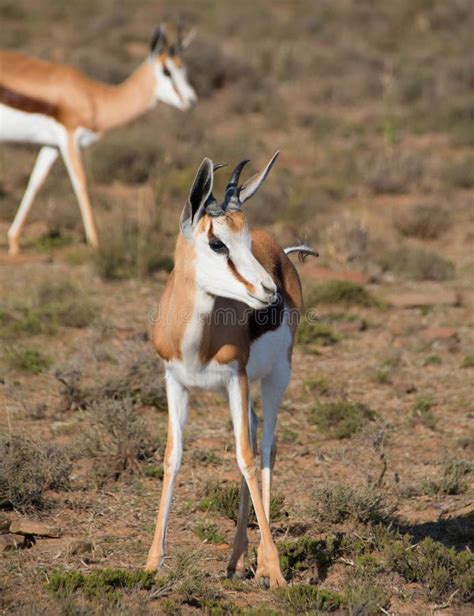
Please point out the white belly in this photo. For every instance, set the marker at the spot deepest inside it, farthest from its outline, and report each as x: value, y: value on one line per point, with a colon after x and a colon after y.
x: 212, y: 376
x: 23, y: 127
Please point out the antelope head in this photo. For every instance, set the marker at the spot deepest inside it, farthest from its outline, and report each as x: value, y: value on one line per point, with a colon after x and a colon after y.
x: 171, y: 79
x: 224, y: 263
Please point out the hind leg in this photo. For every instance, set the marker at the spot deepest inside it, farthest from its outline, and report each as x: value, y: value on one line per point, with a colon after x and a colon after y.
x: 44, y: 161
x: 273, y: 390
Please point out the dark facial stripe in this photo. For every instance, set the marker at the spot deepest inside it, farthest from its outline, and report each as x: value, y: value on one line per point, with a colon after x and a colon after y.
x: 233, y: 270
x: 27, y: 103
x: 178, y: 93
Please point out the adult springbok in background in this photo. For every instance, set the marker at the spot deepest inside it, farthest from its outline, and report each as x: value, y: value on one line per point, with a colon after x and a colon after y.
x: 227, y: 317
x: 59, y: 108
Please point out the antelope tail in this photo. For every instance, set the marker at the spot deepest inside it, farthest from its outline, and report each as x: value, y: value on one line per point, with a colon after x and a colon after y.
x: 303, y: 251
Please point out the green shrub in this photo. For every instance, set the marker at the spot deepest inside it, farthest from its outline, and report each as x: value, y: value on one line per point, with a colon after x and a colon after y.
x: 422, y: 414
x: 340, y: 292
x: 154, y: 471
x: 432, y: 360
x: 461, y: 174
x: 54, y: 304
x: 340, y: 419
x: 337, y: 503
x: 318, y: 385
x: 63, y: 303
x: 468, y: 361
x: 365, y: 597
x: 126, y: 252
x: 208, y: 532
x: 307, y: 554
x: 316, y: 333
x: 130, y: 155
x: 455, y: 479
x: 52, y: 240
x: 439, y: 569
x: 26, y: 359
x: 416, y: 263
x: 307, y: 599
x: 225, y: 500
x: 101, y: 582
x: 28, y: 469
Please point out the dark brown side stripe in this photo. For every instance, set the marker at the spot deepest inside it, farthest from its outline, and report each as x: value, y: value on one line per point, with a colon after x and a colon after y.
x: 250, y: 288
x: 15, y: 99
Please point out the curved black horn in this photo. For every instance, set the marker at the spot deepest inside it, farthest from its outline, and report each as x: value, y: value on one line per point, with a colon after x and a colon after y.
x: 213, y: 208
x: 231, y: 197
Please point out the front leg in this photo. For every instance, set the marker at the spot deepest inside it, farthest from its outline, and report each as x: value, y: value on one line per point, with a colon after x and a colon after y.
x: 177, y: 413
x: 75, y: 169
x: 239, y: 549
x: 268, y: 563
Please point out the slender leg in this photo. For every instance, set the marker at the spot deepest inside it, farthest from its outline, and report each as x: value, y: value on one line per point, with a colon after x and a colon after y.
x: 241, y: 543
x: 268, y: 564
x: 177, y: 409
x: 273, y: 389
x: 74, y: 167
x: 44, y: 161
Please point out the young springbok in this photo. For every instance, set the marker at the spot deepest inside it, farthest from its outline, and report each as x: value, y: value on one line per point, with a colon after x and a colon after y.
x: 227, y: 317
x: 59, y: 108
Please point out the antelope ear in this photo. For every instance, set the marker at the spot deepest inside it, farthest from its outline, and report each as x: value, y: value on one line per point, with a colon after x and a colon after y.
x: 194, y: 207
x: 158, y: 40
x: 250, y: 187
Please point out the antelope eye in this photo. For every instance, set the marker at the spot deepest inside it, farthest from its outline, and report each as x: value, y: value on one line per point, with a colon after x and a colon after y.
x: 166, y: 71
x: 218, y: 246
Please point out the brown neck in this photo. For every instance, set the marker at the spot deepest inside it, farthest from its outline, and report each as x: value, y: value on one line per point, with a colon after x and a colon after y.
x: 117, y: 105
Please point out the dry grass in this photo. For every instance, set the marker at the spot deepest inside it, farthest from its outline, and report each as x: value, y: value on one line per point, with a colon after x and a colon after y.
x: 426, y: 221
x: 29, y: 468
x: 118, y: 437
x: 416, y: 263
x: 394, y: 172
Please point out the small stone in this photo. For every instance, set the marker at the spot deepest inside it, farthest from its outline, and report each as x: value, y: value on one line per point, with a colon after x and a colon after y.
x: 12, y: 542
x: 30, y: 527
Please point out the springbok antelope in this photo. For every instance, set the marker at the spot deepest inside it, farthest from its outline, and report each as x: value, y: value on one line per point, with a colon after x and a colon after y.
x: 227, y: 317
x: 59, y: 108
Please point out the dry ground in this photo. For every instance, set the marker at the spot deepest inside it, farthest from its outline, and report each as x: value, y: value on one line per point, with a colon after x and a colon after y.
x: 372, y: 107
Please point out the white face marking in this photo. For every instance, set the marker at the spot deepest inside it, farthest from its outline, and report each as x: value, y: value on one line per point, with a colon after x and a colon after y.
x: 234, y: 273
x: 172, y: 85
